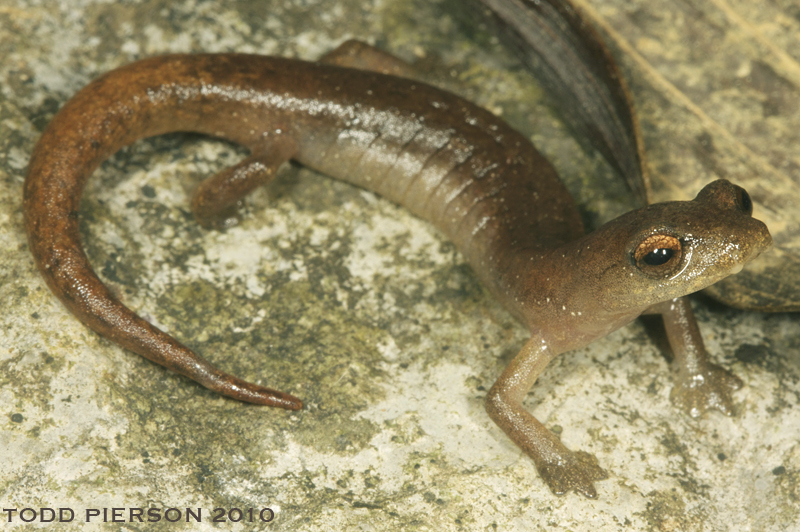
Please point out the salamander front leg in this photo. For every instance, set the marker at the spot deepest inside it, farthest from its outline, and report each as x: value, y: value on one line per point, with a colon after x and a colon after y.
x: 562, y: 469
x: 700, y: 385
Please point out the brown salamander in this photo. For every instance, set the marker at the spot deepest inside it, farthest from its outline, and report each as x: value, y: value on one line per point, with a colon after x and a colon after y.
x: 448, y: 161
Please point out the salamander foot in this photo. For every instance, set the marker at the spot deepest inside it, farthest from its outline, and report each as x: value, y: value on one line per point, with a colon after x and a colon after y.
x: 711, y: 388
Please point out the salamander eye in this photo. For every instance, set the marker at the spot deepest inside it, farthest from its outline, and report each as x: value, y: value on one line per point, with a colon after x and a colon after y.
x: 658, y: 255
x: 743, y: 201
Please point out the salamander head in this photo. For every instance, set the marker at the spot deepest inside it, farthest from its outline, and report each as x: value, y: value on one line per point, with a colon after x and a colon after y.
x: 671, y: 249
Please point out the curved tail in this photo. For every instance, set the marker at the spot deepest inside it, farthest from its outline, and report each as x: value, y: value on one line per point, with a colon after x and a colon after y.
x: 109, y: 113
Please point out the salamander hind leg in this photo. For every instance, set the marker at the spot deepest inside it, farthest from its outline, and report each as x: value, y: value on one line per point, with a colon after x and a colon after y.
x: 700, y: 385
x: 215, y: 199
x: 360, y: 55
x: 563, y: 470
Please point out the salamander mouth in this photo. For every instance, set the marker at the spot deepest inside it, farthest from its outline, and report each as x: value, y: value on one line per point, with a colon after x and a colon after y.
x: 764, y: 244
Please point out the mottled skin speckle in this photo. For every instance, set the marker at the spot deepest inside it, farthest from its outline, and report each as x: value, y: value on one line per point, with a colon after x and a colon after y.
x: 448, y: 161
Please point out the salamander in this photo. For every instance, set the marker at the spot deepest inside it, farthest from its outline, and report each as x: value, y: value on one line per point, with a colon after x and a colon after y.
x: 450, y: 162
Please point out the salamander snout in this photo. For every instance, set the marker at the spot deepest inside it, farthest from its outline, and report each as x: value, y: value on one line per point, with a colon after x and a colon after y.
x: 730, y: 210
